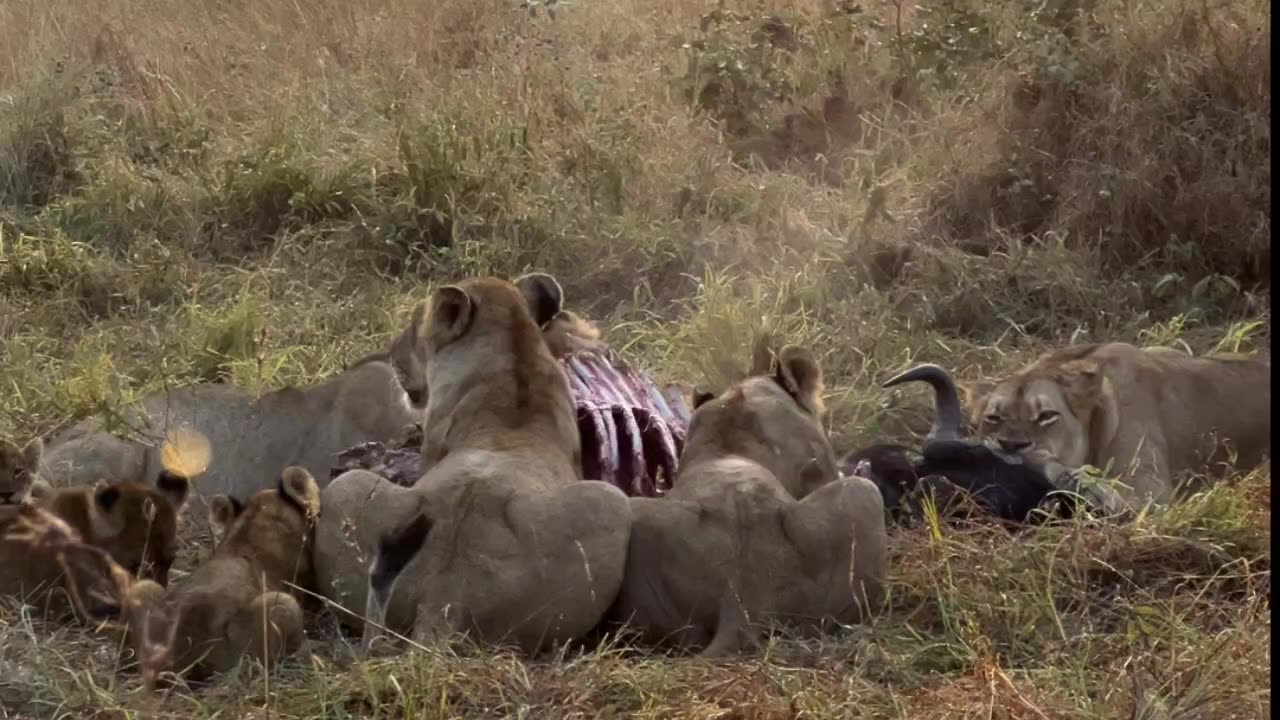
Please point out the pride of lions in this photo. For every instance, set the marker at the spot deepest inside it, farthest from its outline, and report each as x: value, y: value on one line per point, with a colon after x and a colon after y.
x: 502, y: 540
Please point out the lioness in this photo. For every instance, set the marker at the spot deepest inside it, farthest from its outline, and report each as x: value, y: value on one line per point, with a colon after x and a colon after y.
x: 1151, y: 414
x: 759, y: 525
x: 567, y: 333
x: 137, y: 525
x: 240, y: 600
x: 254, y: 439
x: 501, y: 537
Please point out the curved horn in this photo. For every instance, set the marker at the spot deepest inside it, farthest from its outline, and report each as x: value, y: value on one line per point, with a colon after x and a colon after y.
x: 948, y: 420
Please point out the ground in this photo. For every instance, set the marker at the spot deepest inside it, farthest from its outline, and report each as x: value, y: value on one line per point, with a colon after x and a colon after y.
x: 259, y: 192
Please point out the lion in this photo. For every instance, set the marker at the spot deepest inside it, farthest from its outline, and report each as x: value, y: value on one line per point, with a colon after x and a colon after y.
x: 501, y: 538
x: 136, y: 525
x: 95, y: 584
x: 254, y: 439
x: 19, y: 468
x: 1152, y: 416
x: 568, y: 332
x: 242, y: 599
x: 759, y: 526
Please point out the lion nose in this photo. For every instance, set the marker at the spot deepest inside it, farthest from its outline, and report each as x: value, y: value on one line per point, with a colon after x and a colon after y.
x: 1014, y: 446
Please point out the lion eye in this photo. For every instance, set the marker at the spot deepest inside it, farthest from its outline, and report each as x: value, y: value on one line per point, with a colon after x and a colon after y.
x: 1048, y: 417
x: 992, y: 419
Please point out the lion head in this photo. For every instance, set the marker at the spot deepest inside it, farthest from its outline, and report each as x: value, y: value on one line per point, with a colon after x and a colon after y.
x: 489, y: 368
x: 565, y: 333
x: 1058, y: 407
x: 568, y: 333
x: 18, y: 468
x: 239, y: 600
x: 276, y: 526
x: 408, y: 360
x: 773, y: 418
x: 137, y: 525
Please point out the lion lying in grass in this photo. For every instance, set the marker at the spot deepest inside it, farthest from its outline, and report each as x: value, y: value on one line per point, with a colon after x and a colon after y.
x: 1152, y: 416
x: 253, y: 439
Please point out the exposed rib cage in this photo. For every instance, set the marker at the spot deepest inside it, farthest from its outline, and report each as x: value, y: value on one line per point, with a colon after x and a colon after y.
x: 632, y: 431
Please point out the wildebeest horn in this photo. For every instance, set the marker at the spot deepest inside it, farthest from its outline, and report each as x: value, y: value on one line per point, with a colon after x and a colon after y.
x: 948, y: 420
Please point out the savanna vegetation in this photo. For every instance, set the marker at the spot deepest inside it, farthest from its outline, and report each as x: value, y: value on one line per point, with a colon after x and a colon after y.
x: 257, y: 192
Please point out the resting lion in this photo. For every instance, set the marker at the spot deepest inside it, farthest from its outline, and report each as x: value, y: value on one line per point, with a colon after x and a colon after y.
x: 135, y: 524
x: 240, y: 601
x: 501, y: 537
x: 1152, y: 415
x: 254, y: 439
x: 759, y: 526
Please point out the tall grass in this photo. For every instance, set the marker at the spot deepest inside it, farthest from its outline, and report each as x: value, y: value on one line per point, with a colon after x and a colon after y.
x: 257, y: 192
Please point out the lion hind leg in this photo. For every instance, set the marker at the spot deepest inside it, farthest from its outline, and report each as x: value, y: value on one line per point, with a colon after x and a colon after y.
x: 395, y: 551
x: 438, y: 627
x: 269, y: 628
x: 838, y: 534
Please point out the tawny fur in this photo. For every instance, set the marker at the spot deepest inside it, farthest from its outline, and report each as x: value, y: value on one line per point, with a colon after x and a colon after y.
x: 759, y: 527
x: 253, y: 439
x: 519, y: 548
x: 241, y: 601
x: 568, y: 333
x: 135, y: 524
x: 19, y: 469
x: 1151, y: 416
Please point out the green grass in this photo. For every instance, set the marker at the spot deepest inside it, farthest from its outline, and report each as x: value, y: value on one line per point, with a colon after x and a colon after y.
x: 259, y: 192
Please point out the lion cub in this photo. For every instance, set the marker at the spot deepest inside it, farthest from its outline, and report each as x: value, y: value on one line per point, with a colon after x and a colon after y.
x: 18, y: 470
x: 759, y: 526
x: 136, y: 525
x: 240, y: 600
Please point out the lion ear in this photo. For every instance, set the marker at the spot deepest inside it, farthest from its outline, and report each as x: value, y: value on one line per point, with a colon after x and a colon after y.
x: 175, y: 488
x: 1082, y: 379
x: 1091, y: 397
x: 799, y: 374
x: 543, y: 295
x: 762, y: 355
x: 417, y: 321
x: 450, y: 315
x: 104, y: 505
x: 32, y: 453
x: 408, y: 338
x: 297, y: 485
x: 973, y: 396
x: 223, y: 510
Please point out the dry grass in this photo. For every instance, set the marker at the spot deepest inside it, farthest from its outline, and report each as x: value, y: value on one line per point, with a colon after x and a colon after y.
x: 258, y: 192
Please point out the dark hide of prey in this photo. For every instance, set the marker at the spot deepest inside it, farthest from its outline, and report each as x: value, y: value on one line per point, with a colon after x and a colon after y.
x: 966, y: 479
